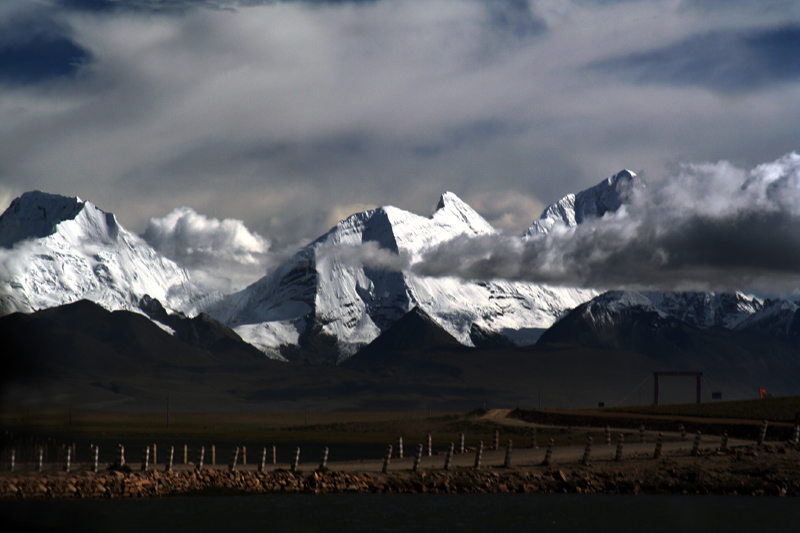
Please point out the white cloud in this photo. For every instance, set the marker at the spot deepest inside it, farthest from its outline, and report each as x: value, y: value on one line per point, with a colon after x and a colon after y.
x: 7, y: 195
x: 220, y: 253
x: 276, y: 112
x: 711, y: 227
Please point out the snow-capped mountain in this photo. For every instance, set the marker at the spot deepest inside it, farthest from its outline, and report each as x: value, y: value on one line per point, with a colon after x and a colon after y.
x: 776, y: 317
x: 573, y: 209
x: 56, y: 250
x: 613, y: 320
x: 321, y: 302
x: 702, y: 310
x: 698, y: 309
x: 706, y: 309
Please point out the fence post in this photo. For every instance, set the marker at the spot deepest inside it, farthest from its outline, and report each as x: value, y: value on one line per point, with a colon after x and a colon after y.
x: 507, y: 462
x: 478, y: 454
x: 696, y: 446
x: 244, y: 455
x: 262, y: 465
x: 763, y: 434
x: 659, y: 445
x: 95, y: 457
x: 155, y: 456
x: 620, y: 441
x: 170, y: 458
x: 213, y: 455
x: 430, y: 445
x: 68, y: 464
x: 417, y: 459
x: 296, y: 463
x: 201, y: 456
x: 185, y: 454
x: 274, y: 455
x: 145, y: 458
x: 234, y: 459
x: 460, y: 443
x: 387, y: 458
x: 120, y: 455
x: 323, y: 464
x: 449, y: 456
x: 548, y: 455
x: 587, y: 452
x: 399, y: 447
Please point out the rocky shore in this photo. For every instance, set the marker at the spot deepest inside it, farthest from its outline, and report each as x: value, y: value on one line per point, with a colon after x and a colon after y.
x: 771, y: 470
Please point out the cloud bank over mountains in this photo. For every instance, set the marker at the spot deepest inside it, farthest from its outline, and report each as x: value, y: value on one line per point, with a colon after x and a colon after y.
x: 222, y: 254
x: 712, y: 227
x: 283, y: 113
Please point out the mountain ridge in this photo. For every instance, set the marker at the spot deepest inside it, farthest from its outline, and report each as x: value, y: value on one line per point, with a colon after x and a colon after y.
x: 318, y: 301
x: 59, y: 250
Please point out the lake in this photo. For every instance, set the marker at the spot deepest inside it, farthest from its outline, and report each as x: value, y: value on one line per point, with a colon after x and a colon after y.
x: 404, y: 513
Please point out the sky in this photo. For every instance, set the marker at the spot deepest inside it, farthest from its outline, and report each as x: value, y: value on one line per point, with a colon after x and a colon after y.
x: 259, y: 124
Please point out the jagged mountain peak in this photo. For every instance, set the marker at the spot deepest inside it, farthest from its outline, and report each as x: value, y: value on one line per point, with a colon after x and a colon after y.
x: 323, y: 301
x: 37, y: 214
x: 619, y: 300
x: 453, y: 211
x: 706, y: 309
x: 58, y: 250
x: 702, y: 310
x: 594, y: 202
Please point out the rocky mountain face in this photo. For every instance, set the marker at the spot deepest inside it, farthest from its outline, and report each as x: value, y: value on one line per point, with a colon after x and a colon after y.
x: 56, y: 250
x: 336, y: 295
x: 738, y: 357
x: 320, y: 306
x: 607, y: 196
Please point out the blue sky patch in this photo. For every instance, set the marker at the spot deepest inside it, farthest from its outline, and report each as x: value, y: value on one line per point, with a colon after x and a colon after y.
x: 37, y: 49
x: 724, y: 61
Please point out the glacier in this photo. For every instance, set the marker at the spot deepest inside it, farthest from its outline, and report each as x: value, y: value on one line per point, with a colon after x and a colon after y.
x: 328, y: 300
x: 56, y: 250
x: 324, y: 302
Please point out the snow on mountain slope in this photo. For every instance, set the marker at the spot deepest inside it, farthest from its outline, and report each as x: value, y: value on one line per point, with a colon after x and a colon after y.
x: 606, y: 196
x: 776, y: 317
x: 699, y: 309
x: 703, y: 310
x: 598, y: 321
x: 56, y: 250
x: 706, y: 309
x: 322, y: 299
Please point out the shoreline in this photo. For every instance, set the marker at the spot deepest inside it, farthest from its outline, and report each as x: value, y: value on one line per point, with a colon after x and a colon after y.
x: 772, y: 469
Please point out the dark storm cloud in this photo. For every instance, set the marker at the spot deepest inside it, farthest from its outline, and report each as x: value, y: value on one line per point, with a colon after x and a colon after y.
x: 713, y: 227
x: 726, y: 61
x: 35, y: 47
x: 291, y: 115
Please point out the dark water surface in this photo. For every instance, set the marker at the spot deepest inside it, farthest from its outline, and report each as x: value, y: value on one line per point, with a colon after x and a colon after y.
x: 482, y: 513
